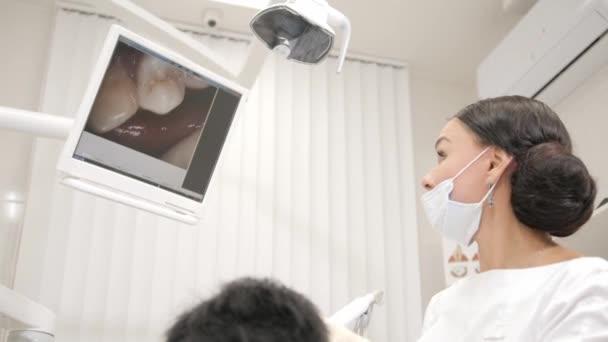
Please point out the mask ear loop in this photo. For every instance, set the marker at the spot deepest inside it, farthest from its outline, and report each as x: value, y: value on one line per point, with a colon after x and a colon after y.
x: 471, y: 162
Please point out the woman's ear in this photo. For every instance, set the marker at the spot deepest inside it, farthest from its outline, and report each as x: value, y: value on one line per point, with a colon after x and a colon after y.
x: 499, y: 162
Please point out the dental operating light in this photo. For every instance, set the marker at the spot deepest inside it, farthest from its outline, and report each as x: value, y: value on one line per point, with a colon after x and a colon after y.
x: 302, y: 30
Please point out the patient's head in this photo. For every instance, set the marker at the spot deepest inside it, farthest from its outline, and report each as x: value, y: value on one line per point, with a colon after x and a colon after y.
x: 254, y: 311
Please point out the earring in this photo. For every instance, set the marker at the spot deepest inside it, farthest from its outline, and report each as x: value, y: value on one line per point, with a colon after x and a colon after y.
x: 490, y: 196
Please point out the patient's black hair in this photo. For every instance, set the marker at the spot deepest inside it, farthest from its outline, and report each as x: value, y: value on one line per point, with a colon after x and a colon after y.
x: 251, y: 310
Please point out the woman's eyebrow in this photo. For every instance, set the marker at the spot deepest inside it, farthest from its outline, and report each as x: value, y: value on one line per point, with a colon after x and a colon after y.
x: 440, y: 140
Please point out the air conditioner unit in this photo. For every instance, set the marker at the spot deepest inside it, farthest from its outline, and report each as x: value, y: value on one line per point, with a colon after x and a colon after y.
x: 552, y: 50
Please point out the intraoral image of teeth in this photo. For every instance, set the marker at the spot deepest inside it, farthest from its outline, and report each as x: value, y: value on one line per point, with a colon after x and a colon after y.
x: 154, y: 134
x: 160, y: 86
x: 181, y: 153
x: 116, y: 100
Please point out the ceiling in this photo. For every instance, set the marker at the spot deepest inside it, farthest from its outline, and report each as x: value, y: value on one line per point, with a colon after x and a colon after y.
x: 443, y: 38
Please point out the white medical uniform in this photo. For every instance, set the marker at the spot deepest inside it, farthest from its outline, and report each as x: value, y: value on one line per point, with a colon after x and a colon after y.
x: 566, y: 301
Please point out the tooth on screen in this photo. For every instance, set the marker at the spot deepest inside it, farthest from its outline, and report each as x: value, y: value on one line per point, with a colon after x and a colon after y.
x: 160, y: 86
x: 116, y: 100
x: 181, y: 153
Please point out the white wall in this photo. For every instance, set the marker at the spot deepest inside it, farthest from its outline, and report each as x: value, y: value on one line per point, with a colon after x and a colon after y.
x: 584, y: 114
x: 25, y: 34
x: 433, y: 103
x: 26, y: 27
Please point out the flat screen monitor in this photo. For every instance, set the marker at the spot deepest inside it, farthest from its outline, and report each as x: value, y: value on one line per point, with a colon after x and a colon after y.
x: 151, y: 125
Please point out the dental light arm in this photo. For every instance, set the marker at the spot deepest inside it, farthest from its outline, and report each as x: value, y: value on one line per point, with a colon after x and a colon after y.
x: 336, y: 18
x: 253, y: 64
x: 40, y: 124
x: 20, y: 312
x: 357, y: 314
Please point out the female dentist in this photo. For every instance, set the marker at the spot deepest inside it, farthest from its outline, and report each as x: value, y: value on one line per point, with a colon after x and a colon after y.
x: 507, y: 179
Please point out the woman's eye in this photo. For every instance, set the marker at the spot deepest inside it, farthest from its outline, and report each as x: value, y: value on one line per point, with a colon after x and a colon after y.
x: 440, y: 155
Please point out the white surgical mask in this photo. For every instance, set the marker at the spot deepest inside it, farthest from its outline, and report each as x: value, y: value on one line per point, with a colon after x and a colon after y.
x: 456, y: 221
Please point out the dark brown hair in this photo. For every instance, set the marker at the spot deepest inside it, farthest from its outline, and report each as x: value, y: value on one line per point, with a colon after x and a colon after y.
x: 552, y: 190
x: 253, y: 310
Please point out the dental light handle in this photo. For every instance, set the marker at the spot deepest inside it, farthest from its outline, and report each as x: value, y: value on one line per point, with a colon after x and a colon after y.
x: 338, y: 19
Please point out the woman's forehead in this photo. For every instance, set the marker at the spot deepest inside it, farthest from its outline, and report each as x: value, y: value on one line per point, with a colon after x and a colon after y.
x: 456, y: 132
x: 451, y: 130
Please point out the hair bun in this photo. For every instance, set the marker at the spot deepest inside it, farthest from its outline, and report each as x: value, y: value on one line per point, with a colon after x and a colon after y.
x: 552, y: 190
